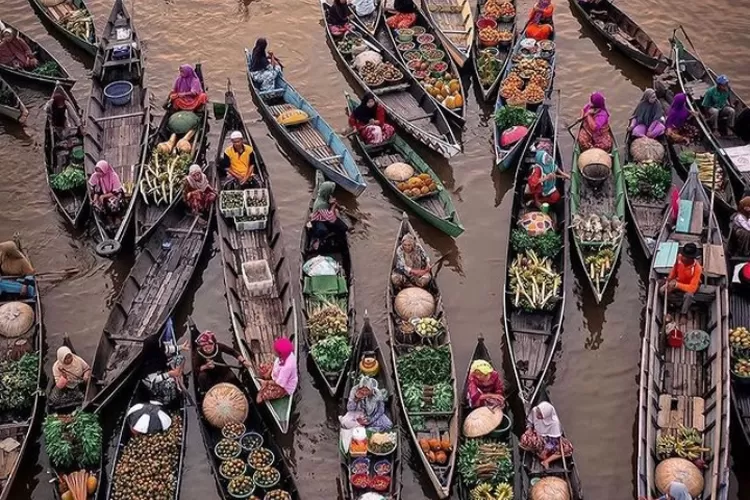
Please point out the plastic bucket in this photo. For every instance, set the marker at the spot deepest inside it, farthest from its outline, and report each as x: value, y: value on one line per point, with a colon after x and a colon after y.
x: 486, y: 22
x: 119, y: 93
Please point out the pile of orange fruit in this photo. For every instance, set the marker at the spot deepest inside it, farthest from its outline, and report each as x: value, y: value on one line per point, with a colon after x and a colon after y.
x: 418, y: 185
x: 446, y: 91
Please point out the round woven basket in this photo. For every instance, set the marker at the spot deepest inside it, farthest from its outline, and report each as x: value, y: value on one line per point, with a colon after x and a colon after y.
x: 16, y: 319
x: 596, y: 173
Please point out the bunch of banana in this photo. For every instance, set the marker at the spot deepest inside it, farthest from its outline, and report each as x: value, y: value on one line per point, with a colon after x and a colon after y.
x: 504, y: 491
x: 690, y: 435
x: 686, y: 444
x: 705, y: 163
x: 665, y: 446
x: 482, y: 492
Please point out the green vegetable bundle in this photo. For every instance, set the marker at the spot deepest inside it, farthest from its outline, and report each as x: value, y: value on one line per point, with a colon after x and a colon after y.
x: 647, y: 181
x: 73, y: 177
x: 18, y: 382
x: 438, y: 398
x: 481, y: 460
x: 49, y: 68
x: 73, y: 440
x: 510, y: 116
x: 425, y: 365
x: 331, y: 353
x: 547, y: 245
x: 687, y: 157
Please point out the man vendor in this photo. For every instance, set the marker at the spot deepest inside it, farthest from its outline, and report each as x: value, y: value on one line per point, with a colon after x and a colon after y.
x: 685, y: 277
x: 239, y: 163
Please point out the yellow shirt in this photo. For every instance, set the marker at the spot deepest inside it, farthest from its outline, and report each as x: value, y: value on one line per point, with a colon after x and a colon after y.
x: 240, y: 166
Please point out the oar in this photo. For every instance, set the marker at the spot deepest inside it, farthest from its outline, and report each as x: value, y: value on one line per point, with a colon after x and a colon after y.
x: 554, y: 139
x: 697, y: 55
x: 578, y: 121
x: 439, y: 262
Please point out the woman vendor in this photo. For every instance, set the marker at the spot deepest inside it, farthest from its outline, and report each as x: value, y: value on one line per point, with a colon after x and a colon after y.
x: 404, y: 14
x: 485, y: 385
x: 369, y: 120
x: 676, y: 491
x: 739, y: 242
x: 542, y: 182
x: 187, y: 92
x: 678, y: 124
x: 543, y: 435
x: 162, y: 366
x: 540, y: 20
x: 62, y: 113
x: 197, y: 191
x: 324, y: 220
x: 648, y: 117
x: 210, y: 363
x: 595, y: 132
x: 109, y: 195
x: 412, y: 265
x: 366, y: 406
x: 12, y: 261
x: 264, y: 67
x: 70, y: 372
x: 338, y: 18
x: 15, y: 52
x: 280, y: 379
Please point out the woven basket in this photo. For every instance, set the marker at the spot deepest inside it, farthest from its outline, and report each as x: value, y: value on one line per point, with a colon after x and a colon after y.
x: 16, y: 319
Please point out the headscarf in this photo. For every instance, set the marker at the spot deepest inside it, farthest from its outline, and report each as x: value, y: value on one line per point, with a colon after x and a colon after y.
x: 105, y: 178
x: 283, y: 348
x: 538, y: 10
x: 14, y: 49
x: 647, y: 112
x: 598, y: 102
x: 744, y: 203
x: 404, y: 6
x: 722, y: 80
x: 678, y: 491
x: 189, y: 83
x: 549, y: 424
x: 482, y: 366
x: 201, y: 183
x: 545, y: 160
x: 678, y: 112
x: 205, y: 340
x: 417, y: 259
x: 12, y: 261
x: 363, y: 113
x: 259, y: 57
x: 376, y: 395
x: 338, y: 15
x: 72, y: 371
x: 325, y: 191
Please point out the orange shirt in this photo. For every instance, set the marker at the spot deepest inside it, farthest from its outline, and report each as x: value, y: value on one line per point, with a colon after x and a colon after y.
x: 688, y: 277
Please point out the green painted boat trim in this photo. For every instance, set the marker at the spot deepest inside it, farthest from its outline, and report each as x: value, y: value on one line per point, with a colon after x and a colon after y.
x: 89, y: 46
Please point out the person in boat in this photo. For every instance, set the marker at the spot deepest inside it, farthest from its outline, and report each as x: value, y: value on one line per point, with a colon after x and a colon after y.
x: 676, y: 491
x: 485, y: 385
x: 540, y: 20
x: 685, y: 277
x: 197, y: 191
x: 210, y: 363
x: 264, y: 67
x: 595, y: 131
x: 543, y: 435
x: 108, y: 193
x: 740, y: 229
x: 324, y: 219
x: 366, y: 406
x: 70, y: 373
x: 163, y: 368
x: 280, y: 379
x: 542, y: 183
x: 338, y: 18
x: 15, y: 52
x: 141, y: 423
x: 187, y: 92
x: 403, y: 15
x: 13, y: 262
x: 238, y: 163
x: 679, y: 128
x: 648, y: 117
x: 716, y: 105
x: 412, y: 265
x: 369, y: 120
x: 363, y: 8
x: 61, y: 113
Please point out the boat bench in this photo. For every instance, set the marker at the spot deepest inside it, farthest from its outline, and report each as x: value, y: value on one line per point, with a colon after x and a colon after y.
x: 712, y: 257
x: 675, y: 411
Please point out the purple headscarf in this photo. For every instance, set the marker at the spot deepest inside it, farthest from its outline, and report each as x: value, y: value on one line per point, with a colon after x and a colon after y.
x: 188, y: 83
x: 678, y: 112
x: 602, y: 115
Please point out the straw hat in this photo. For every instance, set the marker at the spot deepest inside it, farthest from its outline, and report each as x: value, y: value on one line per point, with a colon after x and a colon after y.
x: 680, y: 470
x: 16, y: 318
x: 482, y: 421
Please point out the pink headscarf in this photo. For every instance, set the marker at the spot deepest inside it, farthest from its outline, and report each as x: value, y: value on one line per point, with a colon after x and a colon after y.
x: 188, y: 83
x: 105, y: 178
x: 283, y: 348
x: 205, y: 339
x: 598, y: 102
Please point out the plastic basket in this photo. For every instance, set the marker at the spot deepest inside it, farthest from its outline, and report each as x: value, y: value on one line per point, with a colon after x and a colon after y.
x: 257, y: 277
x: 231, y: 212
x: 256, y: 194
x: 250, y: 225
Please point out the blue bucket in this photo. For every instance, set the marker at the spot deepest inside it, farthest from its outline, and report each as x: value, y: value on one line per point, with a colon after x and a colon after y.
x: 118, y: 93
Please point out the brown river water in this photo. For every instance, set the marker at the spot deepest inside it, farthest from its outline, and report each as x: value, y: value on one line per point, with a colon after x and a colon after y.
x: 595, y: 377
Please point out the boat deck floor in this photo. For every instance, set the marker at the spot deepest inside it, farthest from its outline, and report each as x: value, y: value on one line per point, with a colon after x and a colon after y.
x: 61, y: 10
x: 597, y: 200
x: 649, y: 216
x: 429, y: 203
x: 451, y: 21
x: 532, y: 334
x: 8, y: 459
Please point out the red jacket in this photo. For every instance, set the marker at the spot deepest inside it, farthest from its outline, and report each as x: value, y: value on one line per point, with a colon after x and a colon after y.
x: 379, y: 117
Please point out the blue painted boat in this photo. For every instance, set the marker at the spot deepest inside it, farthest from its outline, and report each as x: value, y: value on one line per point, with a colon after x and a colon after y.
x: 314, y: 140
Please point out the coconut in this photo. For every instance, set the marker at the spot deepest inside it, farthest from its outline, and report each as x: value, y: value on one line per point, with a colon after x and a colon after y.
x: 399, y: 172
x: 16, y: 319
x: 680, y: 470
x: 224, y: 403
x: 550, y: 488
x: 482, y: 421
x: 594, y: 156
x: 414, y: 302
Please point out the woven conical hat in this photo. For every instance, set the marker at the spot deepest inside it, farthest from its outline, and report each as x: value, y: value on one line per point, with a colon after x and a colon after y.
x: 224, y: 403
x: 16, y: 318
x: 550, y: 488
x: 680, y: 470
x: 482, y: 421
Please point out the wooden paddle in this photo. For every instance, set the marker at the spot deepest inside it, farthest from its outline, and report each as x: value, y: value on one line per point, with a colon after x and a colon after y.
x: 439, y: 263
x: 695, y: 51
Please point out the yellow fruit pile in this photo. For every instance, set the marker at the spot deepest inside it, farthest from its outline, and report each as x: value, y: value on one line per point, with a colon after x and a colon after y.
x: 417, y: 186
x: 739, y: 338
x: 448, y: 92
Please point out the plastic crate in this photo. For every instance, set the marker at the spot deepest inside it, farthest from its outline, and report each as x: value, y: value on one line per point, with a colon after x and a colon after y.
x: 258, y: 278
x: 255, y: 194
x: 232, y: 212
x: 250, y: 225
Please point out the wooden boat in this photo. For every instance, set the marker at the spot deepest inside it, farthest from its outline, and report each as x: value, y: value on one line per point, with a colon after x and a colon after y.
x: 17, y: 426
x: 148, y: 214
x: 370, y: 22
x: 256, y: 321
x: 117, y: 134
x: 157, y: 281
x: 488, y: 87
x: 253, y: 423
x: 11, y: 106
x: 439, y: 425
x: 454, y: 21
x: 455, y: 114
x: 532, y: 335
x: 678, y: 386
x: 314, y: 140
x: 45, y: 58
x: 436, y: 209
x: 367, y: 347
x: 61, y: 13
x: 623, y: 33
x: 503, y: 435
x: 407, y: 103
x: 603, y: 198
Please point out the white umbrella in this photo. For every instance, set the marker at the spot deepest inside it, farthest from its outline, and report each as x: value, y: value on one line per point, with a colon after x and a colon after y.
x: 148, y: 418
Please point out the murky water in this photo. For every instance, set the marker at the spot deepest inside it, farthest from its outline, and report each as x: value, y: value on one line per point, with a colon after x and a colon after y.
x: 594, y: 387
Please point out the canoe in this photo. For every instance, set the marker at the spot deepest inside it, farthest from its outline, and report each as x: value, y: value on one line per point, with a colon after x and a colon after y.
x: 176, y: 409
x: 507, y: 156
x: 368, y: 347
x: 680, y: 387
x: 455, y: 114
x: 532, y: 335
x: 606, y: 199
x: 117, y: 134
x: 256, y: 321
x: 155, y: 286
x: 436, y: 209
x: 72, y: 203
x: 487, y: 83
x: 503, y: 435
x: 454, y: 21
x: 407, y: 103
x: 56, y: 73
x: 623, y: 33
x: 149, y: 213
x: 314, y: 140
x: 253, y: 423
x: 59, y: 15
x: 11, y: 106
x: 370, y: 22
x: 424, y: 424
x: 18, y: 425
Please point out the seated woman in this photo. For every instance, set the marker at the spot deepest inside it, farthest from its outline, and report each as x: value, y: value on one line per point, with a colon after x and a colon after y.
x: 412, y: 265
x: 13, y: 262
x: 280, y: 379
x: 648, y: 117
x: 404, y: 14
x: 15, y: 52
x: 485, y: 385
x: 680, y: 128
x: 212, y: 369
x: 739, y: 242
x: 71, y: 373
x: 363, y: 8
x: 542, y: 182
x: 109, y: 196
x: 366, y: 407
x: 324, y: 220
x: 197, y: 191
x: 162, y: 365
x: 676, y: 491
x: 62, y: 113
x: 187, y: 92
x: 595, y: 132
x: 264, y: 68
x: 369, y: 120
x: 543, y: 435
x: 540, y: 20
x: 338, y: 18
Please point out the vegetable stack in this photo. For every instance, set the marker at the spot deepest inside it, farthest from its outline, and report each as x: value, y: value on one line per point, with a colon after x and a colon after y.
x: 18, y: 382
x: 534, y: 283
x: 73, y: 440
x: 486, y: 466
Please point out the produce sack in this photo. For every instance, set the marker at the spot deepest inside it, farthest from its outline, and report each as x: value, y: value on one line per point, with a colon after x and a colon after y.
x: 321, y: 265
x: 182, y: 121
x: 482, y: 421
x: 513, y: 135
x: 16, y: 319
x: 414, y: 302
x: 292, y: 117
x: 536, y: 223
x: 224, y: 403
x: 680, y: 470
x: 550, y: 488
x: 367, y: 56
x: 646, y: 149
x: 594, y: 156
x: 399, y: 172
